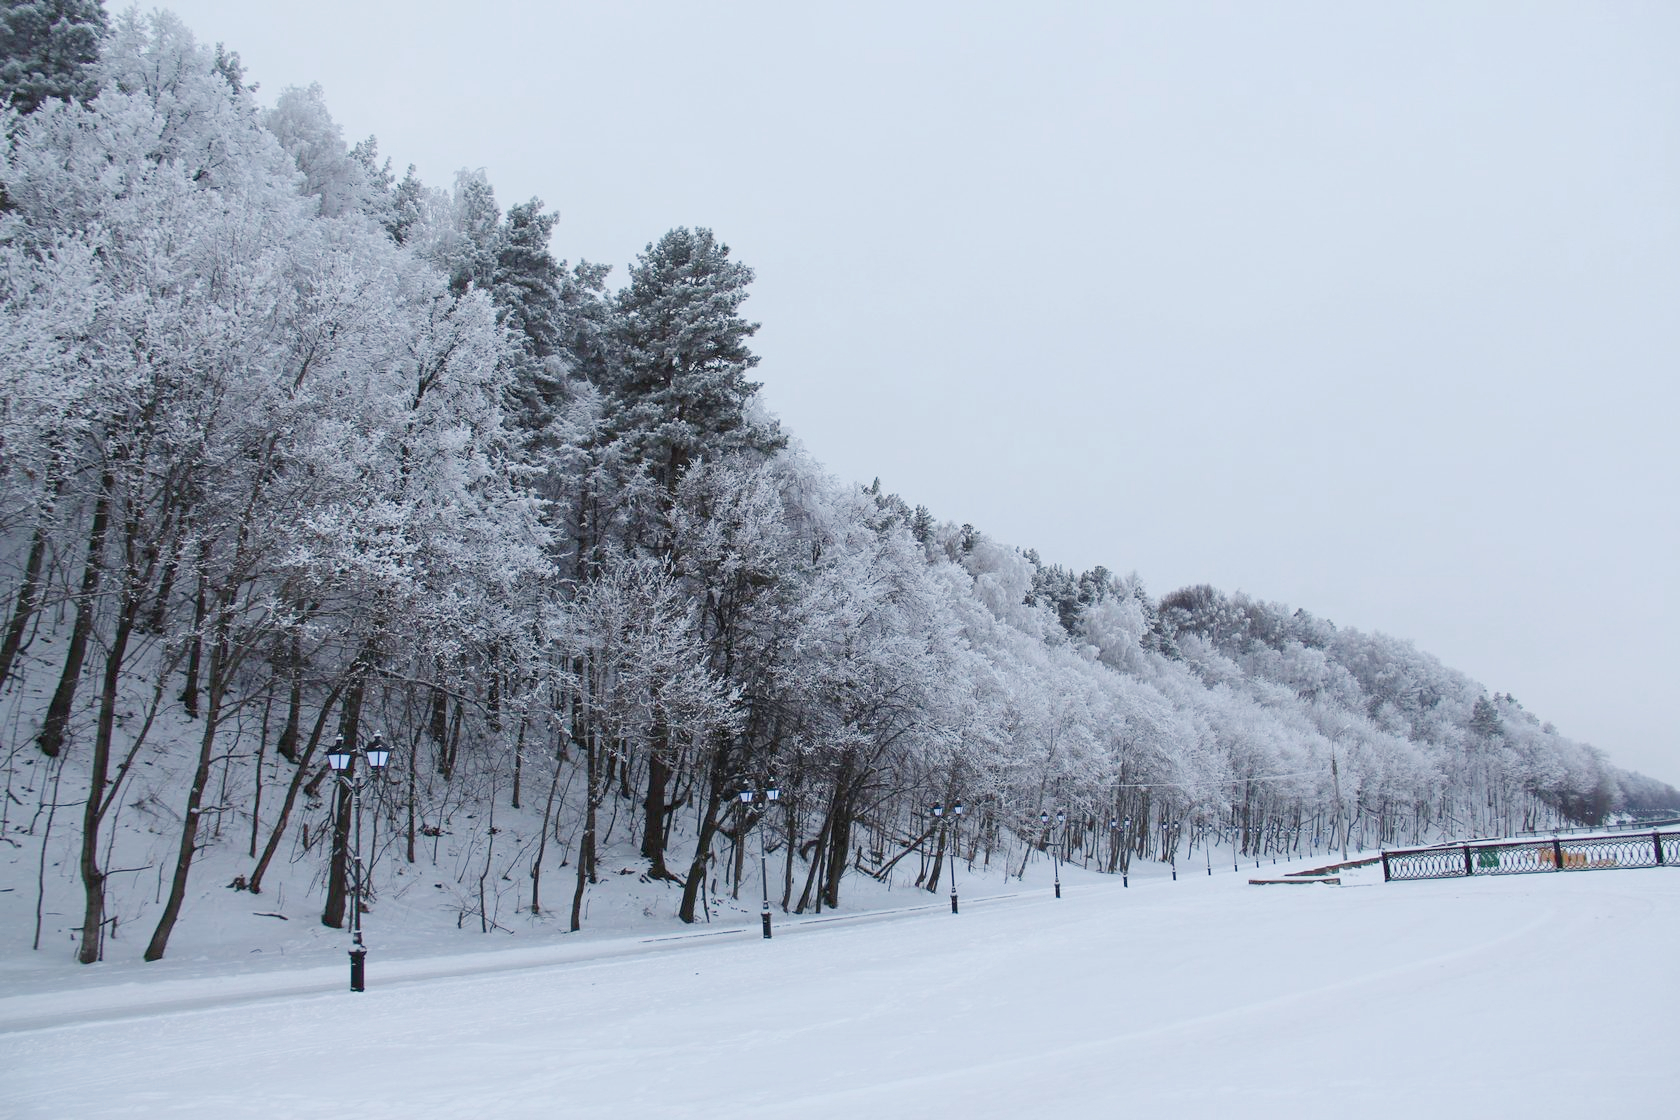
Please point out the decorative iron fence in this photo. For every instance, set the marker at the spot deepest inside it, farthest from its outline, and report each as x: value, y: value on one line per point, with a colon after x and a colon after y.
x: 1523, y: 857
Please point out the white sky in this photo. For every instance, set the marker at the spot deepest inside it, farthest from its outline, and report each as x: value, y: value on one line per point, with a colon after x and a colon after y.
x: 1366, y: 309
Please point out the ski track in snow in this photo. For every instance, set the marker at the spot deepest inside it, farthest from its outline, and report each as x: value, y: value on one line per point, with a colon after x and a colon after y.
x: 1509, y: 997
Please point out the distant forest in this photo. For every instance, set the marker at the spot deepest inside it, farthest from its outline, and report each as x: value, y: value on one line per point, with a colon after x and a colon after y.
x: 293, y: 446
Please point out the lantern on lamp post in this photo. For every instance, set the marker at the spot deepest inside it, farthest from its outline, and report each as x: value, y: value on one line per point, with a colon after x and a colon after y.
x: 342, y: 759
x: 771, y: 792
x: 943, y: 820
x: 1051, y: 838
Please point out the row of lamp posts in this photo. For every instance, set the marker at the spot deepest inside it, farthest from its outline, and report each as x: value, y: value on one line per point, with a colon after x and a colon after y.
x: 342, y: 759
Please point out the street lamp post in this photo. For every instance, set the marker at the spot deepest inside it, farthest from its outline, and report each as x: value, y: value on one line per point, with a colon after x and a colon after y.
x: 1055, y: 856
x: 1166, y: 839
x: 772, y: 792
x: 944, y: 822
x: 342, y: 759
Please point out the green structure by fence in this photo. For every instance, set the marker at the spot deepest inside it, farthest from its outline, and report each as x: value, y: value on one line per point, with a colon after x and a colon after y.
x: 1525, y: 857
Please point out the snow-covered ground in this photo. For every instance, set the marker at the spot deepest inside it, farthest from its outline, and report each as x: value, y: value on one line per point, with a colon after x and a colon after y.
x: 1528, y: 996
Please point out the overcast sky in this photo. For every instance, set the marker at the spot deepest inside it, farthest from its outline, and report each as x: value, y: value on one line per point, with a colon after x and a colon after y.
x: 1372, y: 310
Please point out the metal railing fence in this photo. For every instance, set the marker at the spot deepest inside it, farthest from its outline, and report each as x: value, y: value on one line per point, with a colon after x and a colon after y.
x: 1524, y: 857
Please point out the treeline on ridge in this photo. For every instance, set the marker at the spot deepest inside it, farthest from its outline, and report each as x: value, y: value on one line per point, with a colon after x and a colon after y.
x: 294, y: 448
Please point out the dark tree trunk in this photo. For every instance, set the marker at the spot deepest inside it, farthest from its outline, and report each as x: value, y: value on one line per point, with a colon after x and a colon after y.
x: 221, y: 671
x: 708, y: 832
x: 413, y: 778
x: 273, y: 844
x: 449, y: 745
x: 338, y: 874
x: 654, y: 808
x: 51, y: 739
x: 24, y: 610
x: 439, y: 727
x: 542, y: 839
x: 287, y: 747
x: 518, y: 760
x: 840, y: 833
x: 493, y: 688
x: 195, y: 651
x: 938, y: 864
x: 158, y: 618
x: 93, y: 878
x: 586, y: 842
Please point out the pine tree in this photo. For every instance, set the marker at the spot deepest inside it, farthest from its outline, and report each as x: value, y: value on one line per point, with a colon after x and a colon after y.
x: 48, y: 49
x: 681, y: 382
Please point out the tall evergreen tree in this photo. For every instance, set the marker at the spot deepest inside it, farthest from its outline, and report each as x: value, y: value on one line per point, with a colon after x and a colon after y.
x: 48, y: 49
x: 682, y: 381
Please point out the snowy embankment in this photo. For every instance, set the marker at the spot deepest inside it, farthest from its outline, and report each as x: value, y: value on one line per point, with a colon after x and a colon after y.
x: 1529, y: 996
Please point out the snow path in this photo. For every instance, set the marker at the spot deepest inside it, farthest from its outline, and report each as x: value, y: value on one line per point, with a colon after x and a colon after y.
x: 1532, y: 996
x: 131, y: 999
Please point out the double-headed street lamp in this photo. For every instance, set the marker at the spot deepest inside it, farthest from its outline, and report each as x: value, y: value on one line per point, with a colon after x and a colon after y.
x: 1055, y: 856
x: 342, y: 759
x: 772, y: 792
x: 937, y: 812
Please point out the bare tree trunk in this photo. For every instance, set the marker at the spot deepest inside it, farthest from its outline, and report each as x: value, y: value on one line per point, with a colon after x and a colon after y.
x: 938, y: 864
x: 708, y: 832
x: 493, y: 687
x: 28, y: 591
x: 51, y: 739
x: 413, y: 779
x: 221, y: 671
x: 195, y: 654
x: 839, y: 847
x: 542, y: 840
x: 93, y: 878
x: 439, y: 725
x: 158, y: 617
x: 654, y: 806
x: 787, y: 863
x: 586, y: 842
x: 273, y: 845
x: 287, y: 747
x: 518, y: 759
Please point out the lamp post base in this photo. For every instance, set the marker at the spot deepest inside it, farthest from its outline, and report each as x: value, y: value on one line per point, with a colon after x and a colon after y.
x: 765, y: 914
x: 358, y: 963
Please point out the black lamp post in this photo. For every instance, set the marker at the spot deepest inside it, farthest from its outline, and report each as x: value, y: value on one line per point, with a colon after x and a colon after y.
x: 1055, y: 856
x: 342, y: 759
x: 1166, y: 837
x: 1207, y: 846
x: 772, y: 792
x: 944, y: 822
